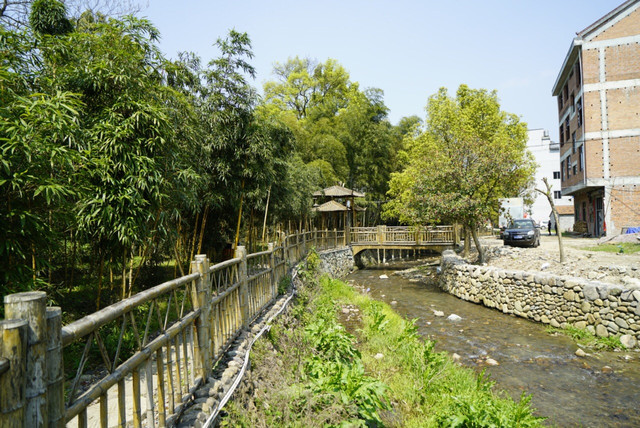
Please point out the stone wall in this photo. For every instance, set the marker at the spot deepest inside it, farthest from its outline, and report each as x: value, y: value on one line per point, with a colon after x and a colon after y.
x: 603, y: 309
x: 337, y: 263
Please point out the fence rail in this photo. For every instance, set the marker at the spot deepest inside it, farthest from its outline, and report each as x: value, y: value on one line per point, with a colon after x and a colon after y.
x: 139, y: 360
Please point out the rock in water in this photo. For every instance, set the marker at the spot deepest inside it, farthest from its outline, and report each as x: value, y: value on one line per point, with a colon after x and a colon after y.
x: 383, y: 276
x: 438, y: 313
x: 580, y: 353
x: 491, y: 362
x: 454, y: 317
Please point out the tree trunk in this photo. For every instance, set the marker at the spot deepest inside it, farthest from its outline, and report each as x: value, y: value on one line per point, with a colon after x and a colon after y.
x: 476, y: 240
x: 547, y: 193
x: 467, y: 242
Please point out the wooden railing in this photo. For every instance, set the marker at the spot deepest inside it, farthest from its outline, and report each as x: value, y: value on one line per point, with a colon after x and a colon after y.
x: 138, y: 360
x: 398, y: 235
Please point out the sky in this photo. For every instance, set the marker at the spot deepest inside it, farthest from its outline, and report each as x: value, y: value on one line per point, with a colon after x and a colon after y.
x: 407, y: 48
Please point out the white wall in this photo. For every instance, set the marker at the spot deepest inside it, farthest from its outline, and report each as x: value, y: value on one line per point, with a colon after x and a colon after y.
x: 547, y: 156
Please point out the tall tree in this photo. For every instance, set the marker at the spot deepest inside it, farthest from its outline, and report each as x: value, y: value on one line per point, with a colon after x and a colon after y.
x: 471, y: 154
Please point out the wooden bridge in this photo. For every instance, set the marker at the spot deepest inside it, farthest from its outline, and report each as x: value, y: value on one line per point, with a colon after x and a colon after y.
x: 177, y: 331
x: 434, y: 238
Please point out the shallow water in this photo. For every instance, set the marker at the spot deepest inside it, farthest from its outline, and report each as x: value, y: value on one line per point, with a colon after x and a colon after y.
x: 568, y: 390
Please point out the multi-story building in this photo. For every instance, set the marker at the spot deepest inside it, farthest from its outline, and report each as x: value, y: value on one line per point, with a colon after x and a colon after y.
x: 598, y: 93
x: 547, y: 156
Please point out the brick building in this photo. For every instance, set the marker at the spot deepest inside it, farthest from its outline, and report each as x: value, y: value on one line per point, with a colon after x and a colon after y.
x: 598, y: 93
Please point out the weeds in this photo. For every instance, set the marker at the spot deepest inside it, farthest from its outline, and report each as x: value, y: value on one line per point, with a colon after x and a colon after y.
x: 585, y: 338
x: 624, y: 247
x: 311, y: 372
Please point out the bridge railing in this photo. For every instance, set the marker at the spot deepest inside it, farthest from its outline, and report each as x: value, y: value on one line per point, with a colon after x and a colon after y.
x: 395, y: 235
x: 137, y: 361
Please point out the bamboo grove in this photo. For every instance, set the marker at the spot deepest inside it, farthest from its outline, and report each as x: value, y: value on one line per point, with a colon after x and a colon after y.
x: 115, y: 159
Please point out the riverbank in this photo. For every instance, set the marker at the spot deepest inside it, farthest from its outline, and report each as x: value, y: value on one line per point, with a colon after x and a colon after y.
x: 339, y: 356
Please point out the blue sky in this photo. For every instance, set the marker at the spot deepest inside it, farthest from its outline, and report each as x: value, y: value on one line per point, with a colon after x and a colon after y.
x: 406, y: 48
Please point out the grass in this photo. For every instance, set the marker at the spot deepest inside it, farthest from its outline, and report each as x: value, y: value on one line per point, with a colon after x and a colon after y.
x: 624, y: 247
x: 311, y: 371
x: 585, y: 338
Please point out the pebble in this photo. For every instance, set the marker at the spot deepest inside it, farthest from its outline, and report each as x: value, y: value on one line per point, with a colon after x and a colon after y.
x: 580, y: 353
x: 438, y: 313
x: 454, y: 317
x: 383, y: 276
x: 607, y: 369
x: 491, y: 362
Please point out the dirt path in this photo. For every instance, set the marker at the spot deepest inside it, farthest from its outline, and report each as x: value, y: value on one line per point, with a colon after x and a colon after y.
x: 596, y: 265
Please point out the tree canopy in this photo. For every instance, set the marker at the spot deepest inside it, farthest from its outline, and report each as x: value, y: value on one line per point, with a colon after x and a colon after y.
x: 470, y: 154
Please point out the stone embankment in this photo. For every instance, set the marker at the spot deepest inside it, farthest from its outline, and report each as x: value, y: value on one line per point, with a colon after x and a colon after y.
x: 602, y: 308
x: 206, y: 400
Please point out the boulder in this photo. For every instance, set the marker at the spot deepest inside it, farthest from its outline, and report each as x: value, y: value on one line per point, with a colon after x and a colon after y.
x: 628, y: 341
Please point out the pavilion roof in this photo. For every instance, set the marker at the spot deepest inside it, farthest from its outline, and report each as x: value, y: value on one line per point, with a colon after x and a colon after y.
x: 331, y: 206
x: 338, y: 192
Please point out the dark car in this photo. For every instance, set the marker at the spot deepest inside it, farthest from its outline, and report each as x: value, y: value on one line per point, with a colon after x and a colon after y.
x: 522, y: 232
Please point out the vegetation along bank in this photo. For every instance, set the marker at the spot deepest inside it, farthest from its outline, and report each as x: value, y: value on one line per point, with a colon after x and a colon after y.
x: 339, y: 357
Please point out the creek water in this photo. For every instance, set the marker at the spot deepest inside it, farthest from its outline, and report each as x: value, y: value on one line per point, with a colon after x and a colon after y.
x: 599, y: 390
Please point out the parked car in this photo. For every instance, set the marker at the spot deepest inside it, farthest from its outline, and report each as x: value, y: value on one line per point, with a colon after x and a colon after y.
x: 522, y: 232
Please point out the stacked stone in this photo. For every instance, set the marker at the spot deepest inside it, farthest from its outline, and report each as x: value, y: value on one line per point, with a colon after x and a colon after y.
x: 601, y: 308
x: 337, y: 263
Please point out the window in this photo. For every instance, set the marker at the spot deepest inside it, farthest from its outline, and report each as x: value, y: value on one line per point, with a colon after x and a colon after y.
x: 579, y: 111
x: 556, y: 175
x: 573, y: 142
x: 565, y: 92
x: 575, y: 169
x: 577, y: 68
x: 560, y: 101
x: 573, y: 103
x: 567, y: 131
x: 584, y: 211
x: 557, y: 194
x: 580, y: 154
x: 568, y: 168
x: 562, y: 135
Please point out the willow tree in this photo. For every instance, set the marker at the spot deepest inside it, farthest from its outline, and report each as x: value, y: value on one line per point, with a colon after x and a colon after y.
x: 471, y: 154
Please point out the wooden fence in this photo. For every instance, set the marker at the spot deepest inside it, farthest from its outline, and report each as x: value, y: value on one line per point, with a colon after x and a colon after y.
x: 178, y: 330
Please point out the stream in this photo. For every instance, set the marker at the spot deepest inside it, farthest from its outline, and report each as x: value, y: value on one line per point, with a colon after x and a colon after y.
x: 601, y: 389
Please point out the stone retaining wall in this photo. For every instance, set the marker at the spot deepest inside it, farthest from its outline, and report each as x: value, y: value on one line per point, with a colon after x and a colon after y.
x: 603, y: 309
x: 337, y: 263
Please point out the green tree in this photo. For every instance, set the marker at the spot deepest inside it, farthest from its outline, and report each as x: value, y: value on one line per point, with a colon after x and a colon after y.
x: 471, y: 154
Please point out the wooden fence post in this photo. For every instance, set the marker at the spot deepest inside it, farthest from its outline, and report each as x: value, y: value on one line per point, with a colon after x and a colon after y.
x: 380, y: 234
x: 13, y: 353
x: 272, y: 265
x: 31, y: 306
x: 304, y: 244
x: 55, y: 368
x: 201, y: 300
x: 241, y: 253
x: 315, y: 238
